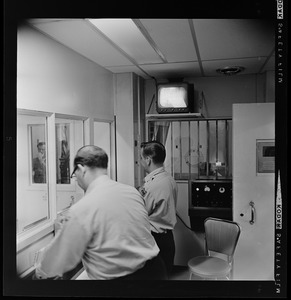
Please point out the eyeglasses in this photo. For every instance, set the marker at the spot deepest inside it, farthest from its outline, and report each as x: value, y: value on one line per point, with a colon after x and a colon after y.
x: 73, y: 173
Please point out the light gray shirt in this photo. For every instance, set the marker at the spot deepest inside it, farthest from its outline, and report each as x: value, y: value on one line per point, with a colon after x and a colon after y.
x: 160, y: 195
x: 108, y: 229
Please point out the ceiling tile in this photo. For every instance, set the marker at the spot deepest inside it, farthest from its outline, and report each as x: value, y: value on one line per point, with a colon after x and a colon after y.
x: 221, y: 42
x: 79, y: 36
x: 173, y: 38
x: 229, y: 38
x: 125, y: 34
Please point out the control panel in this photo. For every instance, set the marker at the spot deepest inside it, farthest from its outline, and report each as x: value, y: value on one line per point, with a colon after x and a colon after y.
x: 209, y: 198
x: 211, y: 194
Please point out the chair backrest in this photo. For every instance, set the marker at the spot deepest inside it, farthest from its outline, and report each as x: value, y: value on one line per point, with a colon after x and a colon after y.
x: 221, y: 235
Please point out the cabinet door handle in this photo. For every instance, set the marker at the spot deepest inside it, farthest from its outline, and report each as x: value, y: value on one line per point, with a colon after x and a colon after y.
x: 252, y: 221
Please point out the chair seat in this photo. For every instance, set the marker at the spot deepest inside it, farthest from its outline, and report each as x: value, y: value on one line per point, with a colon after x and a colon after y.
x: 209, y: 267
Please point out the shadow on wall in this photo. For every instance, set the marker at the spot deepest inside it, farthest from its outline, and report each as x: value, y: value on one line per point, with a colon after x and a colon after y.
x: 188, y: 244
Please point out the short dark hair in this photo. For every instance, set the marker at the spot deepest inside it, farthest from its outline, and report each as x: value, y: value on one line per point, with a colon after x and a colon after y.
x: 91, y: 156
x: 155, y: 150
x: 40, y: 144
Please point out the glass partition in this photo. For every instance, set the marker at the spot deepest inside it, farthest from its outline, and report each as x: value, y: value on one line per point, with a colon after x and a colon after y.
x: 46, y: 147
x: 63, y: 147
x: 69, y: 138
x: 32, y: 172
x: 45, y: 193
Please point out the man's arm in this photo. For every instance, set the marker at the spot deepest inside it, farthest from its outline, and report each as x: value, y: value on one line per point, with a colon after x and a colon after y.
x: 64, y: 252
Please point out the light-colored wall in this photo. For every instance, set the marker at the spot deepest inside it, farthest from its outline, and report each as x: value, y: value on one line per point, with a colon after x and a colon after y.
x: 124, y: 128
x: 52, y: 78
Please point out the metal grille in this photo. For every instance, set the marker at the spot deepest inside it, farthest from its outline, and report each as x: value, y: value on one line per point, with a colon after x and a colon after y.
x: 196, y: 148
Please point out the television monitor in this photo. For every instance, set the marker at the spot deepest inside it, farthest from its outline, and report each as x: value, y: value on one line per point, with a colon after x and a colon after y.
x: 175, y: 98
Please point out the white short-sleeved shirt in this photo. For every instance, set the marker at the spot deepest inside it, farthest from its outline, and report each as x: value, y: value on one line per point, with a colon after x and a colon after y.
x: 108, y: 229
x: 160, y: 195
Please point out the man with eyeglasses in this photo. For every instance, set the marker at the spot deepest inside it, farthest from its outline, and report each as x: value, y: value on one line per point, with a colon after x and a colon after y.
x: 108, y: 229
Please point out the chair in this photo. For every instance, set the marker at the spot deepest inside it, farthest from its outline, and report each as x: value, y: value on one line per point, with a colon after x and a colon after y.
x: 221, y: 237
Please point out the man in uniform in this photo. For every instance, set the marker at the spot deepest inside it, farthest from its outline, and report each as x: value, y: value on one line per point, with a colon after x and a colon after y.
x: 160, y: 195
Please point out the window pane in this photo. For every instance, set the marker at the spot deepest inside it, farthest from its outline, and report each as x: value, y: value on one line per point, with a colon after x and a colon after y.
x: 32, y: 179
x: 69, y: 139
x: 63, y: 153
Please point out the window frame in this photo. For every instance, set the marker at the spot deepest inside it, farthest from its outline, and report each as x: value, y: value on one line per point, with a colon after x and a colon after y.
x: 30, y: 236
x: 72, y: 186
x: 34, y: 234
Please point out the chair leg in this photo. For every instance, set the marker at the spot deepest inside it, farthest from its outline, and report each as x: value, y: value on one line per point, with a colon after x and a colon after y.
x: 190, y: 275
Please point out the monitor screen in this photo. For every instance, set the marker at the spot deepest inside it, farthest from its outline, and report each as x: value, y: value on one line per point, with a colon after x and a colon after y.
x: 173, y: 98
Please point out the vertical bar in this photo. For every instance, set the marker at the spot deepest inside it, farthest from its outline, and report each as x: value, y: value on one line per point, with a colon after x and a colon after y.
x: 207, y: 149
x: 46, y: 128
x: 112, y: 146
x: 226, y: 150
x: 216, y: 138
x: 189, y: 162
x: 155, y: 131
x: 115, y: 147
x: 180, y: 152
x: 51, y: 160
x: 172, y: 151
x: 138, y: 132
x: 147, y: 130
x: 198, y: 147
